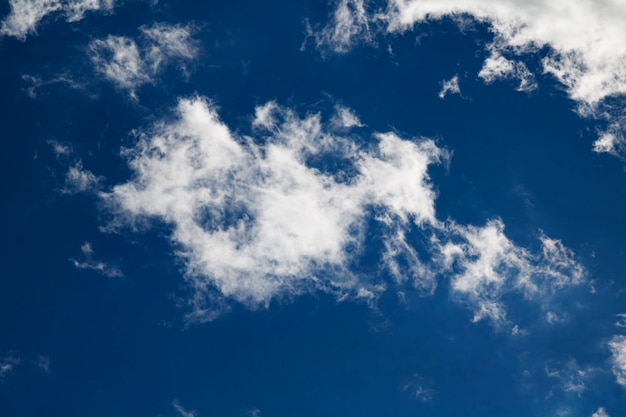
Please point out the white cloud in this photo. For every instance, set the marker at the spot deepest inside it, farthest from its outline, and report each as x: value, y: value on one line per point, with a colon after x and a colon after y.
x: 450, y: 86
x: 88, y: 262
x: 617, y: 345
x: 75, y: 10
x: 348, y: 21
x: 183, y: 413
x: 345, y: 118
x: 497, y: 67
x: 287, y: 211
x: 487, y: 264
x: 25, y: 15
x: 585, y: 40
x: 611, y: 140
x: 60, y: 149
x: 119, y: 60
x: 168, y: 42
x: 601, y: 412
x: 621, y: 320
x: 255, y: 220
x: 79, y: 180
x: 130, y: 65
x: 404, y: 265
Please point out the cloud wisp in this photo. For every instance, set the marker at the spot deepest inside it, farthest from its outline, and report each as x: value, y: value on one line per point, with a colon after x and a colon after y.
x: 286, y: 210
x: 583, y: 40
x: 182, y: 411
x: 129, y: 64
x: 601, y: 412
x: 617, y: 345
x: 8, y: 363
x: 89, y: 262
x: 26, y: 15
x: 450, y: 86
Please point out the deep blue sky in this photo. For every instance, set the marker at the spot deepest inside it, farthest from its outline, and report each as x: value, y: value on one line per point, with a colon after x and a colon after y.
x: 121, y: 345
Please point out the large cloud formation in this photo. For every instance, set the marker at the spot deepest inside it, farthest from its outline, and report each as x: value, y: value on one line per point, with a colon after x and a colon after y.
x: 587, y: 52
x: 288, y: 209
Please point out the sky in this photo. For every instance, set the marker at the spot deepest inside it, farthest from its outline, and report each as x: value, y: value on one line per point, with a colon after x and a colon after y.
x: 312, y: 208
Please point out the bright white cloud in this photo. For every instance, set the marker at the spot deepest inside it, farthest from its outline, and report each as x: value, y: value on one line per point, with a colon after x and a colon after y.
x: 487, y: 264
x: 25, y: 15
x: 286, y: 211
x: 585, y: 39
x: 258, y: 222
x: 617, y: 345
x: 497, y: 67
x: 130, y: 65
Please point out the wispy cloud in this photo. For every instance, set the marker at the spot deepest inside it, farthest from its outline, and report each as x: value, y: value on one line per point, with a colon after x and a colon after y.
x: 570, y: 375
x: 43, y: 363
x: 585, y: 39
x: 617, y: 345
x: 8, y: 363
x: 285, y: 211
x: 80, y: 180
x: 419, y: 389
x: 182, y: 411
x: 497, y: 67
x: 89, y: 262
x: 61, y: 149
x: 601, y: 412
x: 488, y: 264
x: 344, y: 118
x: 130, y: 65
x: 26, y: 15
x: 36, y: 83
x: 450, y: 86
x: 348, y: 22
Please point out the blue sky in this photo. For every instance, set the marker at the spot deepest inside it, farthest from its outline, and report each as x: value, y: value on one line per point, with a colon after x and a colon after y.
x: 346, y: 208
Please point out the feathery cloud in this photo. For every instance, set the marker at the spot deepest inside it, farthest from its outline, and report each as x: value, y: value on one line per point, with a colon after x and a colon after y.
x: 583, y: 40
x: 26, y: 15
x: 286, y: 210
